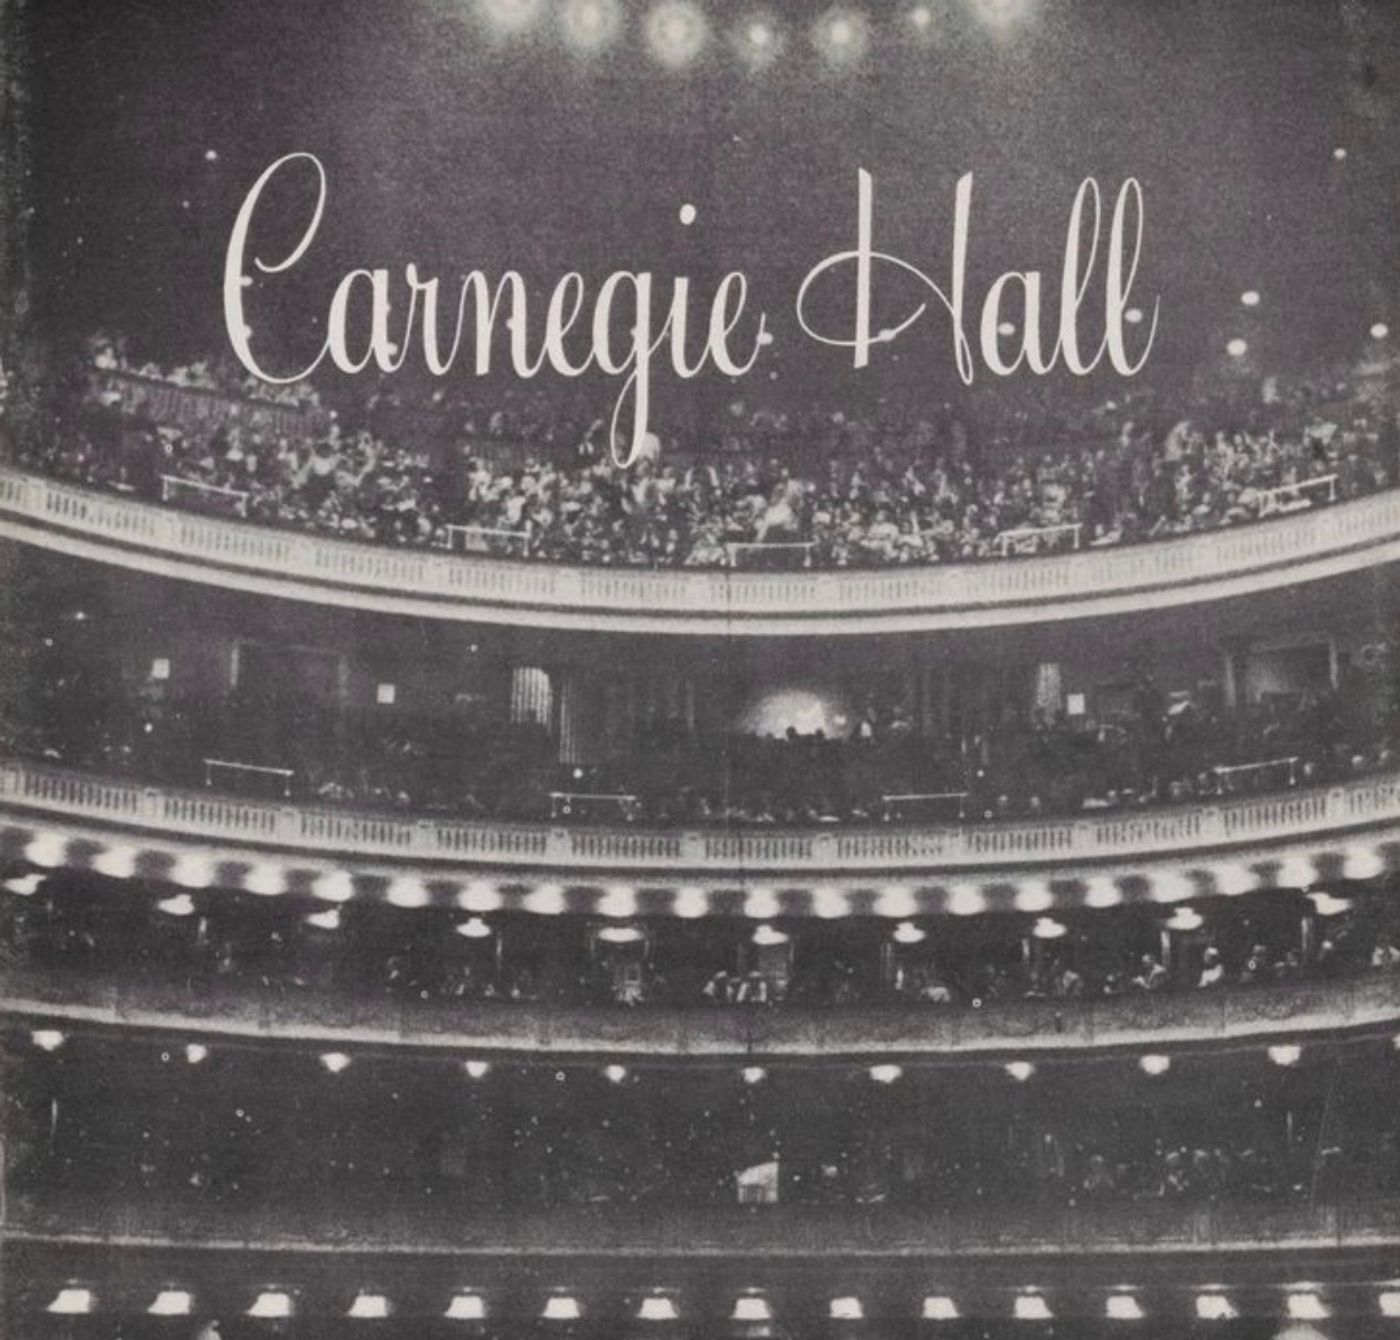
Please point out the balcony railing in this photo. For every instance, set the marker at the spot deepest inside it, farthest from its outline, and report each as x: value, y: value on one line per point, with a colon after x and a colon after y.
x: 1354, y: 825
x: 1370, y: 1001
x: 753, y: 1233
x: 1128, y: 579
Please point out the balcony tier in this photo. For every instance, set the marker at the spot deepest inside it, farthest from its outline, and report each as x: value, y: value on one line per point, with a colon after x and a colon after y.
x: 582, y: 1239
x: 424, y: 583
x: 724, y: 1035
x: 1292, y: 839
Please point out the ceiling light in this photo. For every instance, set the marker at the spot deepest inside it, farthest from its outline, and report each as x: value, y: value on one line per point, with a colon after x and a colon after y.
x: 769, y: 935
x: 406, y: 891
x: 939, y: 1307
x: 47, y: 1039
x: 1047, y: 928
x: 562, y: 1307
x: 620, y: 935
x: 1020, y: 1071
x: 846, y: 1309
x: 329, y: 920
x: 335, y: 886
x: 25, y: 885
x: 1155, y: 1064
x: 1185, y: 919
x: 1327, y: 905
x: 1215, y: 1307
x: 657, y: 1309
x: 369, y: 1307
x: 752, y: 1307
x: 172, y: 1303
x: 1123, y: 1307
x: 1285, y: 1054
x: 885, y: 1074
x: 71, y: 1302
x: 1389, y: 1303
x: 754, y: 1074
x: 1032, y: 1307
x: 271, y: 1304
x: 476, y: 1069
x: 474, y: 928
x: 615, y: 1073
x: 466, y: 1307
x: 906, y: 933
x: 195, y: 1052
x: 335, y: 1062
x: 1307, y: 1307
x: 180, y: 905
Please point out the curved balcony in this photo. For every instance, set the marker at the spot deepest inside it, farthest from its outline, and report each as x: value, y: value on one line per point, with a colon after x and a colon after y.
x: 53, y: 818
x: 733, y: 1034
x: 1209, y: 566
x: 767, y: 1234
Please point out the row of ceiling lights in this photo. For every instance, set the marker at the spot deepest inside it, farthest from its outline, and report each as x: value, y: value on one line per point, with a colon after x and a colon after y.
x: 1301, y: 1302
x: 620, y: 901
x: 334, y: 1062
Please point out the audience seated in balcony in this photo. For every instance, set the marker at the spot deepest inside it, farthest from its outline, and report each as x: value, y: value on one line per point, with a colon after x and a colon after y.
x: 837, y: 490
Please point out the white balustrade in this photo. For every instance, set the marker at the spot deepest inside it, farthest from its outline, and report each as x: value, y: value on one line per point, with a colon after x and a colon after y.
x: 1308, y: 545
x: 68, y: 797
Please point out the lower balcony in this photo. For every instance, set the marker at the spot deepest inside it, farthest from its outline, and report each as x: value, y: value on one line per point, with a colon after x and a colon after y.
x: 1366, y: 1003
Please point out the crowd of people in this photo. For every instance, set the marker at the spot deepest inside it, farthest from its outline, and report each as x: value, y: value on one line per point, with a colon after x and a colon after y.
x: 832, y: 489
x: 276, y: 1131
x: 155, y: 936
x: 77, y: 704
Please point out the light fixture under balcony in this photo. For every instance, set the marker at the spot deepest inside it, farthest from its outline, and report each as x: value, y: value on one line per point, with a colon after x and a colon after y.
x: 72, y: 1301
x: 885, y: 1074
x: 768, y: 934
x: 1020, y: 1071
x: 1047, y: 928
x: 476, y: 1069
x: 48, y: 1039
x: 196, y: 1053
x: 271, y: 1305
x: 368, y: 1307
x: 1215, y: 1306
x: 754, y: 1074
x: 847, y: 1308
x: 1155, y: 1064
x: 939, y: 1307
x: 1285, y: 1054
x: 906, y: 933
x: 335, y: 1062
x: 1032, y: 1307
x: 1327, y: 905
x: 1123, y: 1307
x: 657, y: 1308
x: 1184, y: 920
x: 752, y: 1307
x: 621, y: 935
x: 172, y: 1303
x: 562, y: 1307
x: 1307, y: 1305
x: 466, y: 1307
x: 474, y: 928
x: 329, y: 920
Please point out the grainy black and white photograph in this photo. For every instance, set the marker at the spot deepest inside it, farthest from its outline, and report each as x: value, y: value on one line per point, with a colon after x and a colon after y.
x: 699, y: 670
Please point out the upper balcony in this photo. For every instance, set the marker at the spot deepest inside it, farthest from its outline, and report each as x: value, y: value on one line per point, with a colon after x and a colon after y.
x: 1283, y: 551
